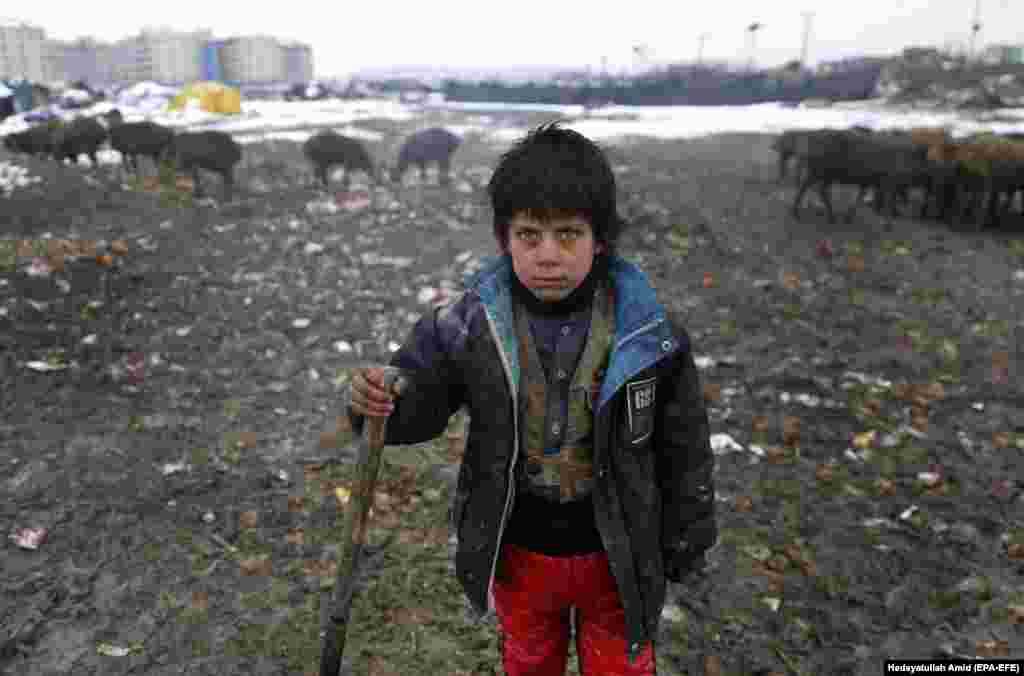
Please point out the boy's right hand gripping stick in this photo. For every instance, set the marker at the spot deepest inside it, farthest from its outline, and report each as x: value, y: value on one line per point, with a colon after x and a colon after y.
x: 334, y: 616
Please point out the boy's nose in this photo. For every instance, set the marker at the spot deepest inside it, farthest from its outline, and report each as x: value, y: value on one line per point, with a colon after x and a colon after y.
x: 549, y: 249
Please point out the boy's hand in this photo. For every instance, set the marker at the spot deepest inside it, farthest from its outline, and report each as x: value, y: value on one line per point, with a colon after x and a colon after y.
x: 369, y: 398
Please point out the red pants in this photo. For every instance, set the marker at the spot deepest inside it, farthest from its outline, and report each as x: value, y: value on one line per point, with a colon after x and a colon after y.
x: 532, y: 597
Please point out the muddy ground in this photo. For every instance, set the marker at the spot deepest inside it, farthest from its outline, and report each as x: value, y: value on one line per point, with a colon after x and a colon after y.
x: 865, y: 395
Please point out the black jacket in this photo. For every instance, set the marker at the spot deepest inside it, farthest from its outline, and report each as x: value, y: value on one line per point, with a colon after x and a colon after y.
x: 654, y: 495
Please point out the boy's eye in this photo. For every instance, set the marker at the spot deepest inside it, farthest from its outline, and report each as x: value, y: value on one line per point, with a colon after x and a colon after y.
x: 567, y: 234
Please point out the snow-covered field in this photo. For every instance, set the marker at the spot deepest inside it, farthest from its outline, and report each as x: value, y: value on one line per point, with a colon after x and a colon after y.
x: 297, y: 120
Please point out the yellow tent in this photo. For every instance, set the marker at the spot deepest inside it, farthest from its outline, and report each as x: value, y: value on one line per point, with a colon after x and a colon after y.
x: 212, y: 97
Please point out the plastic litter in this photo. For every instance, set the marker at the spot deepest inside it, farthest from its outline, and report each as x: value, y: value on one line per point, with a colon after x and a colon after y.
x: 29, y: 538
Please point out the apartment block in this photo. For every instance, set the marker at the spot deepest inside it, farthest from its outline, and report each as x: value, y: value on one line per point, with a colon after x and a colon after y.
x: 161, y: 55
x: 24, y: 52
x: 175, y: 57
x: 298, y: 58
x: 253, y: 59
x: 85, y: 60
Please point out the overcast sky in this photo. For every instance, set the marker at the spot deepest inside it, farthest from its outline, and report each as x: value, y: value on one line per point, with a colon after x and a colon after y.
x: 571, y: 33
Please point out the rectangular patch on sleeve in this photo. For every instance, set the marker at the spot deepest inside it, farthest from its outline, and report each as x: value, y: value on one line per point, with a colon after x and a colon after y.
x: 640, y: 409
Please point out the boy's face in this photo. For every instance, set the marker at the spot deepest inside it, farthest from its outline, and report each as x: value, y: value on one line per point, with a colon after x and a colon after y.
x: 551, y: 257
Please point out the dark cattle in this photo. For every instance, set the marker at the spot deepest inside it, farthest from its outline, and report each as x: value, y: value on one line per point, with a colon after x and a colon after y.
x: 328, y: 149
x: 425, y: 147
x: 787, y: 145
x: 213, y: 151
x: 890, y: 166
x: 113, y: 117
x: 36, y: 141
x: 82, y: 136
x: 133, y: 139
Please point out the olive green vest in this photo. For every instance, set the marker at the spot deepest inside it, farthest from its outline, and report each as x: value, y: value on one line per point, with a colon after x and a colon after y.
x: 558, y: 453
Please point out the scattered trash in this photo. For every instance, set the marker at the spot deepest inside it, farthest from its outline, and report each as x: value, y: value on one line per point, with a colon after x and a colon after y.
x: 806, y: 399
x: 135, y: 367
x: 373, y: 258
x: 301, y: 323
x: 29, y: 538
x: 863, y: 456
x: 209, y: 517
x: 672, y: 613
x: 723, y: 443
x: 342, y: 494
x: 43, y: 367
x: 173, y: 468
x: 865, y: 439
x: 322, y: 207
x: 111, y: 650
x: 435, y: 297
x: 908, y: 512
x: 13, y: 176
x: 704, y: 363
x: 354, y: 201
x: 864, y: 379
x: 312, y: 248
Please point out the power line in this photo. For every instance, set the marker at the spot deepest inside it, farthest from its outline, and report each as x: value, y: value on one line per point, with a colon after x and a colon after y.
x: 975, y: 27
x: 808, y: 18
x: 700, y: 46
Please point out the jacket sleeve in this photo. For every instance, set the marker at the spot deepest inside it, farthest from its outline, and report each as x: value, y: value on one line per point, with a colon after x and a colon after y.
x: 685, y: 468
x: 435, y: 389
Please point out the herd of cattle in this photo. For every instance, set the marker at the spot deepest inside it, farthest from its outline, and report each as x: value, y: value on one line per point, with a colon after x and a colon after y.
x: 974, y: 179
x: 216, y: 151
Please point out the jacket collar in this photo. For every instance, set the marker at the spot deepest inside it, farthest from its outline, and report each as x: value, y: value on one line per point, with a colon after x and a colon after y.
x: 492, y: 283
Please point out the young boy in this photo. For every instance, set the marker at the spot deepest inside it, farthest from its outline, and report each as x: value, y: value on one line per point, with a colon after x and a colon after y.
x: 587, y: 475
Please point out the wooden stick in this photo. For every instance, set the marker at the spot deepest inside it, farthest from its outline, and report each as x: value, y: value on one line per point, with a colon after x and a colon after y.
x: 354, y: 535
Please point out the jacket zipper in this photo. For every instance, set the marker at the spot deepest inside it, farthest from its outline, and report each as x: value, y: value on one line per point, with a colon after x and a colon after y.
x: 515, y: 457
x: 515, y: 450
x: 643, y: 328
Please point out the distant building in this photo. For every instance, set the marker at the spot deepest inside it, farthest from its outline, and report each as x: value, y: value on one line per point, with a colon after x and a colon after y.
x: 161, y: 55
x: 298, y: 62
x: 154, y: 54
x: 175, y: 57
x: 212, y: 68
x: 24, y: 52
x: 253, y: 59
x: 85, y: 60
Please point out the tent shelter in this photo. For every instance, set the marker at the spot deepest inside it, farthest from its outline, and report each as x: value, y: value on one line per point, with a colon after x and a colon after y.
x: 23, y: 93
x: 6, y: 102
x: 213, y: 97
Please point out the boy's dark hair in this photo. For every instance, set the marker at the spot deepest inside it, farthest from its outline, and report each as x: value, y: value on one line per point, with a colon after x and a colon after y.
x: 555, y: 172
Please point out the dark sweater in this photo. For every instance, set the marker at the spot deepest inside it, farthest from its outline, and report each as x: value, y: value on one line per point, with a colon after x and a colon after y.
x: 537, y: 524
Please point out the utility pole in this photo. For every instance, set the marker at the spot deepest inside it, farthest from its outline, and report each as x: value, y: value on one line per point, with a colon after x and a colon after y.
x: 700, y: 46
x: 975, y: 27
x: 752, y: 29
x: 808, y: 17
